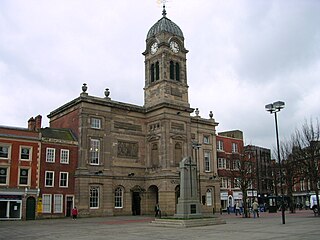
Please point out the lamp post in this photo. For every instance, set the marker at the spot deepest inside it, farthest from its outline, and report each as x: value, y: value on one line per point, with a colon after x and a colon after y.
x: 274, y: 108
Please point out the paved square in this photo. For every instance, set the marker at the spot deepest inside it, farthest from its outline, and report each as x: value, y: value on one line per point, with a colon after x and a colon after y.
x: 301, y: 225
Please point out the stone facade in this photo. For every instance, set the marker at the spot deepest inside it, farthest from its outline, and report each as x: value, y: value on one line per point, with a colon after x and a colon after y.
x: 129, y: 155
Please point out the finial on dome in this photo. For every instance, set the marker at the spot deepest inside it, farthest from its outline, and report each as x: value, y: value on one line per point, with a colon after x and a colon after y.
x: 164, y: 12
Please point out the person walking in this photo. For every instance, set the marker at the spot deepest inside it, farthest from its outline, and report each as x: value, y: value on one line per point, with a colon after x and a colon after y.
x: 237, y: 209
x: 74, y: 213
x: 255, y: 208
x: 157, y: 210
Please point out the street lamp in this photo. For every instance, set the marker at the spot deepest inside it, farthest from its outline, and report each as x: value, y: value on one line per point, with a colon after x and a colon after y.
x: 274, y: 108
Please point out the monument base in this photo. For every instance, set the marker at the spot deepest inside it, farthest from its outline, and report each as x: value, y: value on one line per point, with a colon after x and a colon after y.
x: 188, y: 209
x: 184, y: 223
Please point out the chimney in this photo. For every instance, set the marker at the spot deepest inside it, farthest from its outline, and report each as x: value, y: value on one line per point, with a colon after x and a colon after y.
x: 31, y: 124
x: 38, y: 122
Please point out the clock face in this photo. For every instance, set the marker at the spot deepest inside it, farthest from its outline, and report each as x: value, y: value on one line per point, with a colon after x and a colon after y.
x: 154, y: 48
x: 174, y: 46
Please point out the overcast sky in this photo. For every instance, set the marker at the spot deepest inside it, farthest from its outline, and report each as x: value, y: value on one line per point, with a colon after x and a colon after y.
x: 243, y: 54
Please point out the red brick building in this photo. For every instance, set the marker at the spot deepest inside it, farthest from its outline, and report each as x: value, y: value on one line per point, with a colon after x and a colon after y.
x: 229, y: 148
x: 19, y: 170
x: 59, y: 156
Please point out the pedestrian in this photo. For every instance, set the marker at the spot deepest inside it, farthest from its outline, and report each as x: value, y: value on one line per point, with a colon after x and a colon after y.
x: 237, y: 209
x: 74, y: 213
x: 255, y: 208
x: 157, y: 210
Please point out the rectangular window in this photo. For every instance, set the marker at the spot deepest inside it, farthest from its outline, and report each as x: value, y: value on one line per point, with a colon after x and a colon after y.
x: 24, y: 176
x: 207, y: 162
x: 57, y: 203
x: 64, y: 156
x: 46, y: 203
x: 25, y: 153
x: 220, y: 145
x: 51, y: 153
x: 234, y: 147
x: 94, y: 151
x: 94, y: 197
x: 236, y: 164
x: 224, y: 182
x: 49, y: 179
x: 96, y: 123
x: 221, y: 163
x: 3, y: 176
x: 302, y: 185
x: 64, y: 179
x: 4, y: 151
x: 236, y: 183
x: 206, y: 139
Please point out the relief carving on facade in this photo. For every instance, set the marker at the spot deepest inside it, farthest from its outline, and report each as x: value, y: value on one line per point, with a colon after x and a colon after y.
x: 128, y: 149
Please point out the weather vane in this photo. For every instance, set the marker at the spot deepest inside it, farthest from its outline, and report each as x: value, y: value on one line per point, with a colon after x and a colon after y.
x: 163, y: 2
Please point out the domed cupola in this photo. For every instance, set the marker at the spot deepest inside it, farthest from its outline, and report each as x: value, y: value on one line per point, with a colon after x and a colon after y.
x: 164, y: 25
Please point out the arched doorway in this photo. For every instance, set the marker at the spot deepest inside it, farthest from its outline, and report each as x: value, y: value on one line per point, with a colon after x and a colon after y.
x: 136, y: 200
x: 152, y: 199
x: 31, y: 208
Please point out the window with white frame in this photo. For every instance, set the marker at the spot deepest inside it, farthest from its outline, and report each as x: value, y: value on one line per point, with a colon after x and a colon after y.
x: 49, y: 178
x: 236, y: 183
x: 224, y: 182
x: 236, y: 164
x: 222, y: 163
x: 302, y: 185
x: 94, y: 151
x: 3, y: 175
x: 96, y: 123
x: 220, y: 145
x: 50, y: 154
x: 118, y: 198
x: 234, y: 147
x: 94, y: 197
x: 5, y: 151
x: 207, y: 161
x: 206, y: 139
x: 24, y: 176
x: 64, y: 179
x: 57, y: 203
x: 64, y: 156
x: 46, y: 203
x: 209, y: 197
x: 25, y: 153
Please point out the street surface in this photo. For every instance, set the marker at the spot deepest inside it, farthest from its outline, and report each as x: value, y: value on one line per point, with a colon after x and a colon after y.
x: 301, y: 225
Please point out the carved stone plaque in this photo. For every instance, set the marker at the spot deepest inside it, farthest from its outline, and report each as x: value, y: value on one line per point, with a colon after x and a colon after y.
x: 128, y: 149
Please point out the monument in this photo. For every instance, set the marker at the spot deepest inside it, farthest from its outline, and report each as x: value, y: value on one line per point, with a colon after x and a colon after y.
x: 188, y: 206
x: 188, y: 203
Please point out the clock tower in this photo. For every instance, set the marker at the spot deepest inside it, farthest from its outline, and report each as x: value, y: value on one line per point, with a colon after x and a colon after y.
x: 165, y: 66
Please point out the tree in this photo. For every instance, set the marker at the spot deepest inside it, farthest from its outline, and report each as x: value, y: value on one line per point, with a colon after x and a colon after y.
x: 292, y: 170
x: 307, y: 151
x: 243, y: 174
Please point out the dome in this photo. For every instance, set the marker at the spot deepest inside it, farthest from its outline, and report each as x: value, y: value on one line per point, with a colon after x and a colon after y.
x: 164, y: 25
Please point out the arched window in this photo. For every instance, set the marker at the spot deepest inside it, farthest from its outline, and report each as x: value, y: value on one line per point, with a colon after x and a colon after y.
x: 157, y: 70
x: 177, y: 72
x: 171, y: 70
x: 177, y: 154
x: 118, y: 197
x: 152, y: 72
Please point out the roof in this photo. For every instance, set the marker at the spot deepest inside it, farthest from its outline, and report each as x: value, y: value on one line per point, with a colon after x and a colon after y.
x: 54, y: 133
x: 164, y: 25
